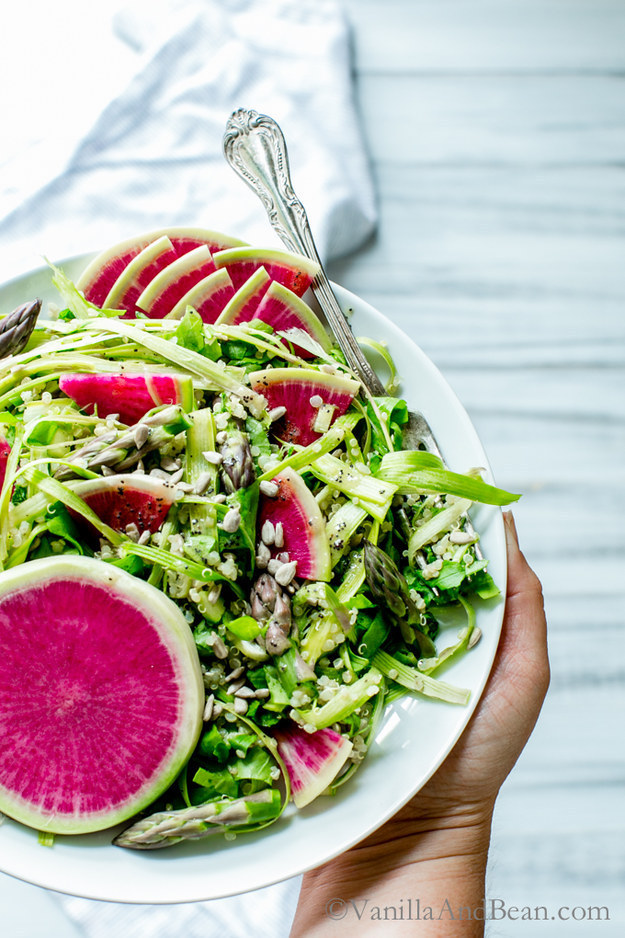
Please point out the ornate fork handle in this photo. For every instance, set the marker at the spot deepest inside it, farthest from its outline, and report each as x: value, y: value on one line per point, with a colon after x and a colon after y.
x: 255, y: 148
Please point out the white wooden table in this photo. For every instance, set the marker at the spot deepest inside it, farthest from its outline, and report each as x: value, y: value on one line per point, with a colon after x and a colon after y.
x: 497, y: 134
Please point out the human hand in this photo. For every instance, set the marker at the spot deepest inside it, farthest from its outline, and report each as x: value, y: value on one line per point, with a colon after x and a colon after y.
x: 469, y: 780
x: 437, y: 844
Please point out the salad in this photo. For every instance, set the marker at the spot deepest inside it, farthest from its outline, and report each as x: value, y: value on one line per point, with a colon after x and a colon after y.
x: 184, y: 418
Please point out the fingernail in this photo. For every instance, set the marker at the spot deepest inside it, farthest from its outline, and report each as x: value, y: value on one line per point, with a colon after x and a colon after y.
x: 511, y: 530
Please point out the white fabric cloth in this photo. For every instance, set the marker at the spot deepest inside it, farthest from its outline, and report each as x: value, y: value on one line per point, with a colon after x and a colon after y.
x: 80, y: 170
x: 265, y: 913
x: 113, y: 127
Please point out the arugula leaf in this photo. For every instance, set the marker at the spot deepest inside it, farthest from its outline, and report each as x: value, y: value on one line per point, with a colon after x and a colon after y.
x: 395, y: 414
x: 245, y: 536
x: 256, y: 766
x: 241, y: 742
x: 74, y: 300
x: 190, y: 334
x: 216, y: 782
x: 61, y: 524
x: 258, y: 437
x: 214, y: 745
x: 20, y: 494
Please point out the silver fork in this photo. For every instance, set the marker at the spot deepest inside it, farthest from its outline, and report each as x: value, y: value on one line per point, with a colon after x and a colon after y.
x: 254, y: 146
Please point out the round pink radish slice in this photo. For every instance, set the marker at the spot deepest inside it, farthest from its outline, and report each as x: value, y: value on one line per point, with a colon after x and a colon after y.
x: 244, y: 303
x: 293, y: 270
x: 170, y: 285
x: 100, y: 275
x: 139, y: 273
x: 101, y: 694
x: 120, y: 500
x: 303, y: 392
x: 129, y: 395
x: 208, y: 297
x: 283, y: 309
x: 313, y: 760
x: 303, y: 525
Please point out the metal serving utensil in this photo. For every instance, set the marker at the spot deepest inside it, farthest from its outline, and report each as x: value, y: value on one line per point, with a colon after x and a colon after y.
x: 254, y: 146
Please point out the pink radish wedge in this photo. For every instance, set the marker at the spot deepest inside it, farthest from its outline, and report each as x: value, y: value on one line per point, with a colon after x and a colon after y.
x: 303, y: 392
x: 129, y: 395
x: 170, y: 285
x: 139, y: 273
x: 303, y: 525
x: 102, y: 272
x: 293, y: 270
x: 208, y: 297
x: 313, y: 760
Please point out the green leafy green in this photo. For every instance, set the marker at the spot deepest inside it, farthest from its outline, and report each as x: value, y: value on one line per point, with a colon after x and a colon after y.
x: 190, y: 334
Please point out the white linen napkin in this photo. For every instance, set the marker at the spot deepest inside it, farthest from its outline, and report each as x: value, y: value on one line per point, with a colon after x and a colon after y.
x: 80, y: 171
x: 119, y: 132
x: 265, y: 913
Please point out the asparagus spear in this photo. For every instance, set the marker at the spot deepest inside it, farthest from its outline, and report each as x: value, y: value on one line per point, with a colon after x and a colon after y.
x: 270, y: 604
x: 170, y: 827
x: 122, y: 449
x: 237, y: 465
x: 389, y: 586
x: 16, y: 328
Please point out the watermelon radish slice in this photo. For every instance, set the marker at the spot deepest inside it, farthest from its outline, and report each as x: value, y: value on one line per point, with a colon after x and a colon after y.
x: 101, y: 694
x: 313, y: 760
x: 100, y: 275
x: 244, y: 303
x: 208, y: 297
x: 295, y: 388
x: 303, y: 525
x: 283, y: 309
x: 292, y: 270
x: 129, y: 395
x: 170, y: 285
x: 120, y: 500
x: 138, y: 273
x: 5, y: 450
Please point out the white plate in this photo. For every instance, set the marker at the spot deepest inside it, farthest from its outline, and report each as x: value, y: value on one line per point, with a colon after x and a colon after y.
x: 412, y: 742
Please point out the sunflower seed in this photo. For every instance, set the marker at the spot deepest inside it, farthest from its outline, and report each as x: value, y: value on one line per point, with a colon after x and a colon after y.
x: 286, y: 573
x: 270, y: 489
x: 476, y: 635
x: 268, y: 533
x: 208, y: 708
x: 219, y: 648
x: 232, y: 520
x: 141, y: 435
x: 235, y: 674
x: 203, y: 481
x: 215, y: 459
x: 244, y: 693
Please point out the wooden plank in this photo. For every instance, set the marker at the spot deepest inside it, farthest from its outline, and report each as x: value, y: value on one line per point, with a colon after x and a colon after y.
x: 471, y: 119
x: 489, y: 269
x: 488, y: 35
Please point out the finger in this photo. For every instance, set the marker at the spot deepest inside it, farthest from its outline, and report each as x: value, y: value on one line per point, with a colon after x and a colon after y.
x: 524, y: 636
x: 521, y: 577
